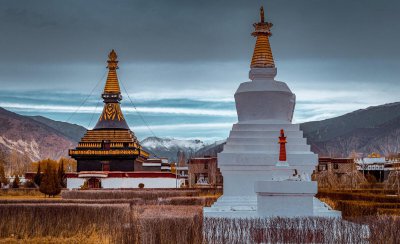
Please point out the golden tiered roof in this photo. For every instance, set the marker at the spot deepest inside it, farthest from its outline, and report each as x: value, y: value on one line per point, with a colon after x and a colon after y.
x: 262, y: 56
x: 109, y: 135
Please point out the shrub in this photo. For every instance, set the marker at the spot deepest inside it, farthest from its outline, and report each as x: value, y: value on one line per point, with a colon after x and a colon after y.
x: 50, y: 184
x: 3, y: 178
x: 29, y: 184
x: 85, y: 185
x: 61, y: 175
x: 16, y: 182
x: 141, y: 185
x: 38, y: 177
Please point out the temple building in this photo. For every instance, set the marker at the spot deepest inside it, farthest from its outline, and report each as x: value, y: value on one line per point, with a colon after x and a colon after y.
x: 109, y: 155
x: 110, y: 145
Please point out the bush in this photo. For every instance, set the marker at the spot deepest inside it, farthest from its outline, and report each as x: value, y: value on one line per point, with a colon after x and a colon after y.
x: 141, y: 185
x: 50, y: 183
x: 16, y: 182
x: 29, y: 184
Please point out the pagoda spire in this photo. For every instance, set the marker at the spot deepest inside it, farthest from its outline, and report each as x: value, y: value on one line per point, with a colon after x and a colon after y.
x: 112, y: 117
x: 262, y: 55
x: 112, y: 84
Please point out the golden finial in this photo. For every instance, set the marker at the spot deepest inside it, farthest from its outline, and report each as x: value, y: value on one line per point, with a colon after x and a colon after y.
x: 112, y: 60
x: 262, y: 14
x: 262, y: 56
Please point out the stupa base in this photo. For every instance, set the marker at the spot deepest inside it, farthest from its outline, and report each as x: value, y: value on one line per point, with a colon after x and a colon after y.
x: 237, y: 210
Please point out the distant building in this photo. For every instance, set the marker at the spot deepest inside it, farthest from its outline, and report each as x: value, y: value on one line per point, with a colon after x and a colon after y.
x: 155, y: 164
x: 183, y: 175
x: 374, y: 165
x: 335, y: 165
x: 377, y: 166
x: 204, y: 172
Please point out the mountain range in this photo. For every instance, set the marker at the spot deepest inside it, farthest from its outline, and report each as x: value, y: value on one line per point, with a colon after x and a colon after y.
x: 374, y: 129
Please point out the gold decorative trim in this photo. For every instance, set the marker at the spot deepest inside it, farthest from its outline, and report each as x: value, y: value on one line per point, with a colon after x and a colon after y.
x: 112, y: 111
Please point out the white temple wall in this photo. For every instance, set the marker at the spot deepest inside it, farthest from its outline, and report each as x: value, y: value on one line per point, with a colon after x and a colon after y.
x: 134, y: 182
x: 73, y: 183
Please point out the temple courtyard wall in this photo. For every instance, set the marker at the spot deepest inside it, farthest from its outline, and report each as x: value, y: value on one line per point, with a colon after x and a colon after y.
x: 74, y: 183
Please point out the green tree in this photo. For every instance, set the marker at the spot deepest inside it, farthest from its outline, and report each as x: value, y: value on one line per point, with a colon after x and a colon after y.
x: 61, y: 174
x: 50, y: 184
x: 38, y: 177
x: 16, y: 182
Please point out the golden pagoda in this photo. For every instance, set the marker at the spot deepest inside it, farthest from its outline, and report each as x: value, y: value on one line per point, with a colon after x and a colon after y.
x: 110, y: 145
x: 262, y: 56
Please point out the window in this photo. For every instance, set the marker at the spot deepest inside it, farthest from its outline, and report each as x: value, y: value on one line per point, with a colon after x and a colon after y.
x: 335, y: 166
x: 205, y: 166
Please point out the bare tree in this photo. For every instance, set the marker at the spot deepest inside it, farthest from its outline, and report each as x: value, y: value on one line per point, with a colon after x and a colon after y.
x: 393, y: 181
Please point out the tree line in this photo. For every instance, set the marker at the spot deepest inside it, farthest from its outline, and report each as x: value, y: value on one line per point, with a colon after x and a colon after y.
x: 50, y: 177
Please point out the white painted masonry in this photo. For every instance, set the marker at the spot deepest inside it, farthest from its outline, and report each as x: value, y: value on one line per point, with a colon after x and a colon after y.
x: 253, y: 184
x: 126, y: 182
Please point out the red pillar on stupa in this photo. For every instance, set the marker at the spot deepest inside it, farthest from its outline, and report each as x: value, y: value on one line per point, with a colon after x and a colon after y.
x: 282, y: 149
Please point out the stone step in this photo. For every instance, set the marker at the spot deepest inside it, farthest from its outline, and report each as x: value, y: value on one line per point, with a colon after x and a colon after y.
x: 264, y: 134
x: 264, y: 141
x: 266, y: 127
x: 265, y: 158
x: 267, y: 148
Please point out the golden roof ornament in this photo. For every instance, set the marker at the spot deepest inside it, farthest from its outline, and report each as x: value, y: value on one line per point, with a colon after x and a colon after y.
x: 112, y: 84
x: 262, y: 14
x: 112, y: 60
x: 262, y: 56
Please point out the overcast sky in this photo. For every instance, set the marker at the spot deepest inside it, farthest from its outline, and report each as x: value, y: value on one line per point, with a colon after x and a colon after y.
x: 181, y: 61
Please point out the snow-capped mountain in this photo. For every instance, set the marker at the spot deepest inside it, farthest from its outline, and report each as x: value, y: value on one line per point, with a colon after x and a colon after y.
x: 171, y: 148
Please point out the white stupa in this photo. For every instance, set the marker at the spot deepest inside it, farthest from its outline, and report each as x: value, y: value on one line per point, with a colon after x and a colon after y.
x: 257, y: 181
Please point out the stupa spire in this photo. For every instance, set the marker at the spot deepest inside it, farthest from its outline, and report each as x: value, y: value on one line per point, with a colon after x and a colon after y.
x: 262, y: 55
x: 112, y: 117
x: 112, y: 84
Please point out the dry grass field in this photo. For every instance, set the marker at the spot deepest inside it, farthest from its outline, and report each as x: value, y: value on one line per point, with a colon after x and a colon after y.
x: 174, y: 216
x: 115, y: 216
x: 362, y: 202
